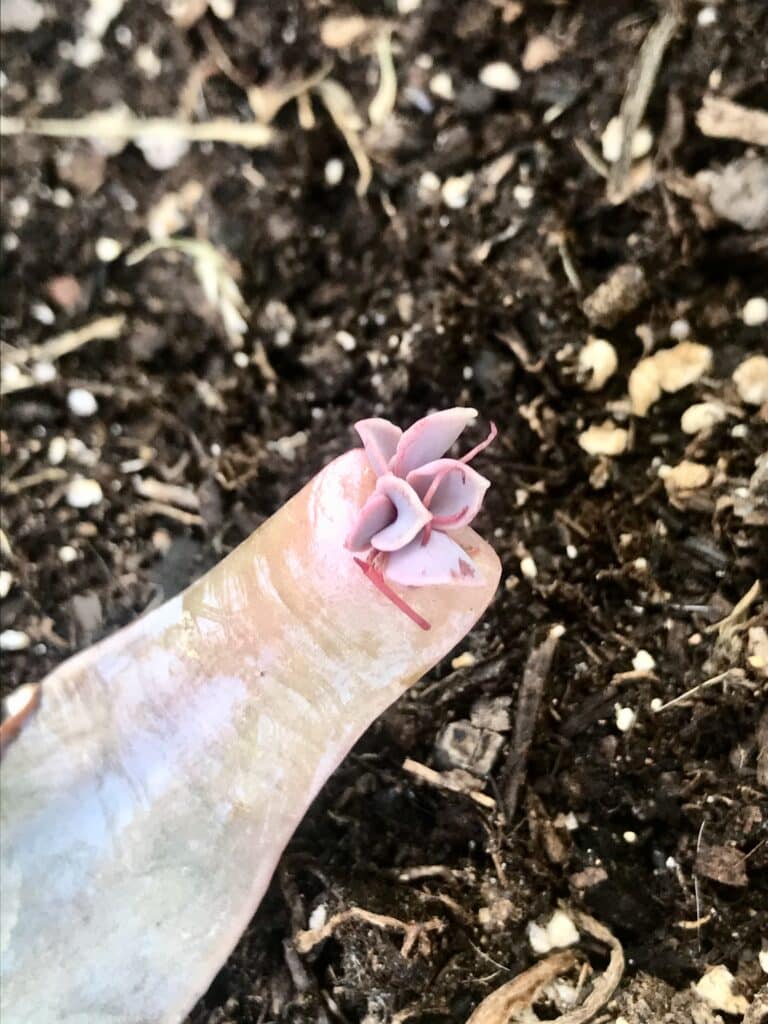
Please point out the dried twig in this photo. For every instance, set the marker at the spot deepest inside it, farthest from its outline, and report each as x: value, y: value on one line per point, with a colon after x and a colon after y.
x: 608, y: 981
x: 171, y: 494
x: 44, y: 476
x: 250, y: 134
x: 434, y: 778
x: 721, y: 118
x: 732, y: 675
x: 341, y: 107
x: 383, y: 103
x: 639, y: 87
x: 413, y: 931
x: 528, y: 701
x: 103, y: 329
x: 521, y: 992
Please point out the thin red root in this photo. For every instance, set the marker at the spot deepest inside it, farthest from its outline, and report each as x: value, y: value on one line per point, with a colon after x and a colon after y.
x: 482, y: 446
x: 381, y: 584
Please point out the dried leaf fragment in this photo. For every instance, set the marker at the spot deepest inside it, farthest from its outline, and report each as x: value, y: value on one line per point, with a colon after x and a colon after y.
x: 723, y: 864
x: 612, y: 300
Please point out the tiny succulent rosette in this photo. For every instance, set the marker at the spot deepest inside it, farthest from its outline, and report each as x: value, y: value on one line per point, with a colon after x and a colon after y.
x: 420, y: 499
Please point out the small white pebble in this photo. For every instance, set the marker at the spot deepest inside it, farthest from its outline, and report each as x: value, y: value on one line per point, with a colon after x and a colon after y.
x: 429, y: 186
x: 643, y: 662
x: 146, y: 60
x: 67, y: 554
x: 561, y: 931
x: 679, y: 330
x: 523, y: 195
x: 318, y: 917
x: 597, y: 363
x: 571, y: 551
x: 657, y: 704
x: 707, y: 16
x: 558, y: 630
x: 538, y: 938
x: 81, y: 402
x: 84, y: 493
x: 641, y: 564
x: 500, y: 76
x: 57, y: 450
x: 630, y: 837
x: 42, y: 313
x: 441, y: 85
x: 19, y: 208
x: 241, y: 360
x: 6, y: 582
x: 762, y: 958
x: 334, y: 171
x: 528, y: 568
x: 610, y: 140
x: 467, y: 373
x: 702, y: 416
x: 345, y: 340
x: 408, y: 6
x: 625, y: 718
x: 62, y: 198
x: 740, y: 431
x: 44, y: 372
x: 455, y: 190
x: 13, y: 640
x: 123, y: 35
x: 107, y: 249
x: 755, y: 311
x: 162, y: 153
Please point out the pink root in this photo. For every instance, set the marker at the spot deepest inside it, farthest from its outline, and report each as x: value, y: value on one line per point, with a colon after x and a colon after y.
x: 381, y: 584
x: 482, y: 446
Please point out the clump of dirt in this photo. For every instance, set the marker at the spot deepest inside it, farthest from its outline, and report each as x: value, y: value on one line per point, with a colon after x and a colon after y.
x: 469, y: 271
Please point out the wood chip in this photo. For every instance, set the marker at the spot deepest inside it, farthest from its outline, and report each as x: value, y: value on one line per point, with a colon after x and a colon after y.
x: 721, y: 118
x: 444, y: 780
x: 722, y: 864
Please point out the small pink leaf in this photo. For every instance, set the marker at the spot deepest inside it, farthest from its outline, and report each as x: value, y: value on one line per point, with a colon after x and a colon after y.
x: 411, y: 516
x: 452, y: 491
x: 376, y: 513
x: 380, y: 438
x: 429, y: 438
x: 441, y: 560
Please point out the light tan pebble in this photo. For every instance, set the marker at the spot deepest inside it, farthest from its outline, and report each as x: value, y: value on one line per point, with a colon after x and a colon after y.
x: 597, y: 363
x: 67, y: 554
x: 605, y: 439
x: 751, y: 380
x: 162, y: 153
x: 465, y: 660
x: 656, y: 704
x: 523, y: 195
x: 455, y: 190
x: 685, y: 476
x: 715, y: 987
x: 429, y: 186
x: 146, y: 60
x: 702, y: 416
x: 13, y: 640
x: 333, y: 172
x: 6, y: 582
x: 539, y: 51
x: 610, y: 141
x: 629, y: 837
x: 755, y: 311
x: 679, y: 330
x: 408, y: 6
x: 500, y: 76
x: 528, y: 568
x: 643, y: 661
x: 84, y: 493
x: 44, y: 372
x: 345, y: 340
x: 762, y: 958
x: 441, y: 85
x: 682, y: 365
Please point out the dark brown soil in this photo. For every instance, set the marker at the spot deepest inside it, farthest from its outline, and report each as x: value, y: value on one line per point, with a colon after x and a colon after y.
x: 622, y: 565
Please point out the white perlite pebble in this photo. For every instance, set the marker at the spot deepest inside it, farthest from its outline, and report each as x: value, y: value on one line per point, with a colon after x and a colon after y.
x: 755, y: 311
x: 707, y: 16
x: 345, y: 340
x: 84, y: 493
x: 597, y: 363
x: 625, y: 718
x: 629, y: 837
x: 679, y: 330
x: 455, y: 190
x: 716, y: 989
x: 13, y: 640
x: 67, y: 554
x: 334, y: 171
x: 162, y: 154
x: 44, y: 372
x: 441, y: 85
x: 6, y: 582
x: 604, y: 439
x: 81, y: 402
x: 762, y: 959
x: 702, y: 416
x: 610, y: 140
x: 500, y: 76
x: 107, y: 249
x: 751, y: 380
x: 57, y: 450
x: 643, y: 662
x: 528, y: 568
x: 558, y: 933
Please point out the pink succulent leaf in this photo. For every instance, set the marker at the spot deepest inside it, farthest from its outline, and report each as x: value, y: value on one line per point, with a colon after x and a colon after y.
x: 441, y: 560
x: 380, y: 439
x: 411, y: 517
x: 377, y: 513
x: 429, y: 438
x: 452, y: 491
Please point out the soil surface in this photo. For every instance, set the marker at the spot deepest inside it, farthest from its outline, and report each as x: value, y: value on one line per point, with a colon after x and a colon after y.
x: 465, y: 274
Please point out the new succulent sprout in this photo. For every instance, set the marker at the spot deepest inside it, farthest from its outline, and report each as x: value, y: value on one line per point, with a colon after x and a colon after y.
x: 150, y: 783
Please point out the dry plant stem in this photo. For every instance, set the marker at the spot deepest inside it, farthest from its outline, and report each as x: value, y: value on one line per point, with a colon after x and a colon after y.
x: 638, y: 92
x: 721, y: 118
x: 109, y: 126
x: 147, y: 799
x: 104, y: 329
x: 521, y: 992
x: 532, y: 686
